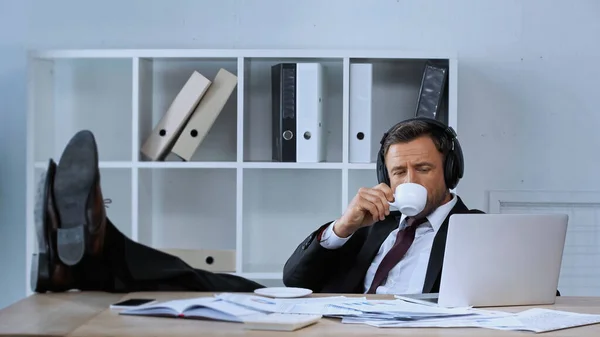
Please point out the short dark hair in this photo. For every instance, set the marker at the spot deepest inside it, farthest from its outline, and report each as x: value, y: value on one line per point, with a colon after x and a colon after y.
x: 408, y: 131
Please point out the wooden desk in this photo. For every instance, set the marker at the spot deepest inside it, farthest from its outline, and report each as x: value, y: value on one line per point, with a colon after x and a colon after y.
x: 53, y: 314
x: 87, y: 314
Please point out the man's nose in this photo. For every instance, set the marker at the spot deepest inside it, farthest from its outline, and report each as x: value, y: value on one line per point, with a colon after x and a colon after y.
x: 409, y: 177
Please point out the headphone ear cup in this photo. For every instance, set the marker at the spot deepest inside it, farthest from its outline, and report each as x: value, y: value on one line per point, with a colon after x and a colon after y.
x: 450, y: 171
x: 382, y: 176
x: 454, y: 166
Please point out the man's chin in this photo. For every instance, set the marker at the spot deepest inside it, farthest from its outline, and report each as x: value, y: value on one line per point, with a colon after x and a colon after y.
x: 430, y: 207
x: 425, y: 212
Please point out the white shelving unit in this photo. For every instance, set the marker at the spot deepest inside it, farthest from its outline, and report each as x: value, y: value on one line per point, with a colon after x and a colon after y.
x: 230, y: 196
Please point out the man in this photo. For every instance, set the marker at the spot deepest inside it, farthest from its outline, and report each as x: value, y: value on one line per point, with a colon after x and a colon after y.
x: 372, y: 250
x: 79, y: 247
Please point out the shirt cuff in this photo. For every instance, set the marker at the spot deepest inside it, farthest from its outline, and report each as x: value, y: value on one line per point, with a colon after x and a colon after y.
x: 330, y: 240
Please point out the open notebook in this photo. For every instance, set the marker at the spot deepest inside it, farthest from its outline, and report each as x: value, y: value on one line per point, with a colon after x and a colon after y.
x: 199, y: 307
x: 218, y: 309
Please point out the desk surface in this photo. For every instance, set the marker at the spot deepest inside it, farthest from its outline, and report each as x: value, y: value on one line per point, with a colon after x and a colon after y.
x: 87, y: 314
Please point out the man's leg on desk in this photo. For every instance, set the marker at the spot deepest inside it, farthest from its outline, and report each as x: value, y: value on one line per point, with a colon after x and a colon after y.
x: 80, y: 248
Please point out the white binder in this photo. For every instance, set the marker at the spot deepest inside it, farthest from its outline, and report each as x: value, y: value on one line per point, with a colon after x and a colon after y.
x: 205, y: 115
x: 360, y: 122
x: 160, y: 141
x: 310, y: 123
x: 215, y: 260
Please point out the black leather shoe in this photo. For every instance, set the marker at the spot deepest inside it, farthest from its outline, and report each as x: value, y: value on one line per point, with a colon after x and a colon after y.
x: 79, y: 201
x: 47, y: 271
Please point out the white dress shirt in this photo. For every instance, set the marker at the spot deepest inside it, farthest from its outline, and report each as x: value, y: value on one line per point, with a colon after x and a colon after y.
x: 408, y: 276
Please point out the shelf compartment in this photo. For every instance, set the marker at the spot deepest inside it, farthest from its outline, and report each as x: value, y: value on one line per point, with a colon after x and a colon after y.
x: 214, y: 260
x: 69, y: 95
x: 280, y: 209
x: 116, y: 191
x: 358, y: 178
x: 187, y: 208
x: 394, y: 94
x: 161, y: 79
x: 258, y: 112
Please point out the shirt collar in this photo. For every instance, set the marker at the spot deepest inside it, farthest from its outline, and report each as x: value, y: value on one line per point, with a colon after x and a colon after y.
x: 437, y: 217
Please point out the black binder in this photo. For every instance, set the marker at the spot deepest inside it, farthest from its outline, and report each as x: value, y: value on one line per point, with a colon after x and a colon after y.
x: 433, y: 94
x: 283, y: 96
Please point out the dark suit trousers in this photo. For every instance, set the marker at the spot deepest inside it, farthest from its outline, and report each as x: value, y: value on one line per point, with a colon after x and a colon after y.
x: 128, y: 266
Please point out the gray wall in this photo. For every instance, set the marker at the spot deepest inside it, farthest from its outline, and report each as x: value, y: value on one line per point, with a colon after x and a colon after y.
x: 528, y: 80
x: 12, y: 150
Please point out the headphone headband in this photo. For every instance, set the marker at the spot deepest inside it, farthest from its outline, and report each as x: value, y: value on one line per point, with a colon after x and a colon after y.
x: 446, y: 128
x: 453, y: 161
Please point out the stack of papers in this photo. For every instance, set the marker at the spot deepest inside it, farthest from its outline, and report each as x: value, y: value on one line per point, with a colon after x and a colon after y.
x: 534, y: 320
x: 290, y: 314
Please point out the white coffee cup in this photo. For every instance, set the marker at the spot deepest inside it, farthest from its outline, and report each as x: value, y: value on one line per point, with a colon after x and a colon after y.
x: 410, y: 198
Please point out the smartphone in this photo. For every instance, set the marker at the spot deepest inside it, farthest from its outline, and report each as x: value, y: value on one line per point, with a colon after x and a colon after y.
x: 132, y: 303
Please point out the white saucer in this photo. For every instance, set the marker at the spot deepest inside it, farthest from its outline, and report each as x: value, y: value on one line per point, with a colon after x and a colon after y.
x: 283, y: 292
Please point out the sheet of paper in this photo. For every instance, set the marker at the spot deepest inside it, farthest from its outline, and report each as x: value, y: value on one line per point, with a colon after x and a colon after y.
x: 535, y: 320
x: 320, y: 300
x: 543, y: 320
x: 252, y: 302
x: 400, y: 308
x: 310, y: 306
x: 504, y: 323
x: 319, y: 305
x: 479, y: 321
x: 228, y: 308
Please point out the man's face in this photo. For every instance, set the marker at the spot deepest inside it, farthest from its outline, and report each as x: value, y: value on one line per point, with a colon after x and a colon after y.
x: 419, y: 161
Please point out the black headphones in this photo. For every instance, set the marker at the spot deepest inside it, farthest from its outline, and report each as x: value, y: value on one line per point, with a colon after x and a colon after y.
x: 453, y: 162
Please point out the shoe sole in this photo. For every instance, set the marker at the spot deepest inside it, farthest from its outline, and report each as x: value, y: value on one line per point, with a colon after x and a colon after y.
x: 40, y: 262
x: 40, y: 273
x: 75, y: 176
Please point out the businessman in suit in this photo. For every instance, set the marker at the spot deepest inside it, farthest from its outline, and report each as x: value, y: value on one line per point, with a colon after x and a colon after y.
x: 80, y: 248
x: 372, y: 250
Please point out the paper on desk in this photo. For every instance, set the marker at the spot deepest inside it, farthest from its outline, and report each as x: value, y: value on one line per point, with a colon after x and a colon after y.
x: 503, y: 323
x: 506, y: 321
x: 534, y: 320
x: 310, y: 306
x: 400, y: 308
x: 543, y: 320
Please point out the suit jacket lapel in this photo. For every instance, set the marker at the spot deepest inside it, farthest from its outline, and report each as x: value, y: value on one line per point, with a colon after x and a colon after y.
x: 378, y: 233
x: 437, y: 250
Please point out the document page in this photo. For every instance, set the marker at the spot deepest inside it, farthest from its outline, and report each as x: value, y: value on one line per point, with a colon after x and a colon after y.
x: 542, y: 320
x: 503, y: 323
x: 534, y: 320
x: 399, y: 308
x: 310, y: 306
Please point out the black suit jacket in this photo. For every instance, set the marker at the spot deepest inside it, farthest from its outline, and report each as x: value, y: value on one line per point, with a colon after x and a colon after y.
x: 343, y: 270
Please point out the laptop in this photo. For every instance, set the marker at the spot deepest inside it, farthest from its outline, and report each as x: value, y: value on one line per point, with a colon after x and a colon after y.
x: 501, y: 260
